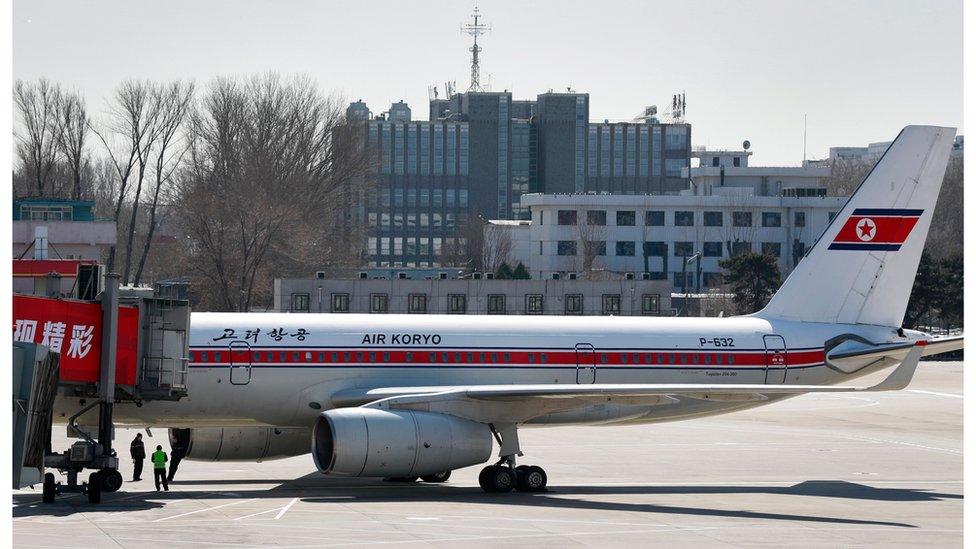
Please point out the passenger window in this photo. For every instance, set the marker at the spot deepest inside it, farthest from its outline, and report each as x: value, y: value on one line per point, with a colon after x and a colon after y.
x: 409, y: 357
x: 359, y: 357
x: 484, y: 358
x: 205, y: 355
x: 544, y: 358
x: 531, y: 358
x: 321, y: 357
x: 694, y: 359
x: 671, y: 358
x: 294, y: 357
x: 445, y: 357
x: 216, y: 357
x: 386, y: 357
x: 508, y: 358
x: 345, y: 357
x: 684, y: 358
x: 623, y: 358
x: 335, y: 357
x: 604, y: 358
x: 372, y: 357
x: 494, y: 357
x: 731, y: 359
x: 470, y: 357
x: 432, y: 357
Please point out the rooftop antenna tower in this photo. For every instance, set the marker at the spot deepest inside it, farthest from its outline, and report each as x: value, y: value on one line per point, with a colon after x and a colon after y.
x: 475, y: 29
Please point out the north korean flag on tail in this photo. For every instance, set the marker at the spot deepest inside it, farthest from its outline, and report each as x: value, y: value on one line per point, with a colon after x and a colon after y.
x: 878, y: 229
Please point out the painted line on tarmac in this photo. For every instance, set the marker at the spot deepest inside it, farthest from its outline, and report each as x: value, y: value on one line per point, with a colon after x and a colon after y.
x: 286, y: 508
x: 934, y: 393
x: 206, y: 509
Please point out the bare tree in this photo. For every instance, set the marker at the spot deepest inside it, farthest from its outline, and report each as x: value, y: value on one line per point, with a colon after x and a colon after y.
x: 37, y: 104
x: 496, y: 248
x: 592, y: 240
x: 165, y: 155
x: 73, y: 127
x: 269, y: 166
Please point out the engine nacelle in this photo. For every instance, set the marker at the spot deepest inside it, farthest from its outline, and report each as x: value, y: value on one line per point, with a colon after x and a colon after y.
x: 367, y: 442
x: 242, y: 443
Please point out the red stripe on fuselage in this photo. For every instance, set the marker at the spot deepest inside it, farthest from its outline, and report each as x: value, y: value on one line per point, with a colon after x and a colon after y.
x: 429, y: 357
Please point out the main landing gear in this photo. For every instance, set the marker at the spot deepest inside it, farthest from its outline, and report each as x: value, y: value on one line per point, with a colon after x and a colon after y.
x: 505, y: 476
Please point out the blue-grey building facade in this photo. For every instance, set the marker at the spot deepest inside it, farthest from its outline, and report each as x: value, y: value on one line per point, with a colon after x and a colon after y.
x: 479, y: 152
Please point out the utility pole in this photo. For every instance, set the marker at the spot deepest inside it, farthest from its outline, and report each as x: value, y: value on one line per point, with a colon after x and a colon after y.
x: 475, y: 29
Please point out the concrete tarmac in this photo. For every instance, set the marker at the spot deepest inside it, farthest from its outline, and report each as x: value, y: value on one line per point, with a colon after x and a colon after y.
x: 817, y: 470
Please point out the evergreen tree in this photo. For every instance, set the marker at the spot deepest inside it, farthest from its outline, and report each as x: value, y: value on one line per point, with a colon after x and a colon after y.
x: 754, y: 279
x: 521, y: 273
x: 504, y: 271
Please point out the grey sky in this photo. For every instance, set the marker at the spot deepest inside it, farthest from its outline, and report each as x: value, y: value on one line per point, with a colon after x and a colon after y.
x: 860, y: 69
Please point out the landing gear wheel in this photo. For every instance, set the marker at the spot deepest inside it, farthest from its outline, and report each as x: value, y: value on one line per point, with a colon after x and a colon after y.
x: 95, y: 488
x: 111, y: 480
x: 50, y: 489
x: 437, y: 477
x: 400, y: 479
x: 531, y: 478
x: 497, y: 479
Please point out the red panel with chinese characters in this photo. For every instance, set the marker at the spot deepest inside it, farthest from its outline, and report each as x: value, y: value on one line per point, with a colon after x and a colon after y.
x: 74, y: 330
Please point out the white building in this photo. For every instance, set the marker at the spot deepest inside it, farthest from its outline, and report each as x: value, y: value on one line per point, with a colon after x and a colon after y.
x: 654, y: 236
x: 718, y: 171
x: 873, y: 151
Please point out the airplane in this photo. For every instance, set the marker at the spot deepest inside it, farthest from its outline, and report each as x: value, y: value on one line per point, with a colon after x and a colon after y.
x: 418, y: 396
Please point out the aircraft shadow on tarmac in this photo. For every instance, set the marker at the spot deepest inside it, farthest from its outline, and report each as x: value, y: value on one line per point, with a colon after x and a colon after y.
x: 315, y: 488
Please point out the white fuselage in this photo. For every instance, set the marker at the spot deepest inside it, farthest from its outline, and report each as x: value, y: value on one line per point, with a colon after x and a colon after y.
x: 284, y: 369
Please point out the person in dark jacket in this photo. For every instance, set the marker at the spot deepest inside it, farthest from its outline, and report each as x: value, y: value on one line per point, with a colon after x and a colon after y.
x: 137, y: 450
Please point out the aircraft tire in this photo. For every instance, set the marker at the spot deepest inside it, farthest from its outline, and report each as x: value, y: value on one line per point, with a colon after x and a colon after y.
x: 400, y: 479
x: 437, y: 477
x: 531, y: 479
x: 497, y: 479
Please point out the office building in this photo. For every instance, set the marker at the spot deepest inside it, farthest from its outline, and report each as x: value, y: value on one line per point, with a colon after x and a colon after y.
x: 479, y: 152
x: 619, y: 297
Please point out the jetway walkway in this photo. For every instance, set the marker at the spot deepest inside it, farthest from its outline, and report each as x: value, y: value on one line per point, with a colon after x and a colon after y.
x: 61, y: 349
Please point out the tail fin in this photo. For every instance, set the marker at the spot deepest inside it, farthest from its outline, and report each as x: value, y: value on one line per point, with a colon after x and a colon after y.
x: 862, y: 268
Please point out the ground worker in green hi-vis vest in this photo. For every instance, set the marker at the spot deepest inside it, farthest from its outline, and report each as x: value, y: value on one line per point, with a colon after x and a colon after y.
x: 159, y: 468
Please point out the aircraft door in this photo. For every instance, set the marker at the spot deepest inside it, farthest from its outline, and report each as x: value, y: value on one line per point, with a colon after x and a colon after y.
x: 775, y: 359
x: 240, y: 362
x: 585, y: 363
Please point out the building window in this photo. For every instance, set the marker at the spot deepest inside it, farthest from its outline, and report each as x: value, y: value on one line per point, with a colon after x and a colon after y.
x: 379, y: 303
x: 299, y: 302
x: 799, y: 219
x: 654, y: 219
x: 655, y: 249
x: 596, y: 217
x: 736, y: 161
x: 566, y: 217
x: 771, y: 248
x: 651, y: 304
x: 417, y: 303
x: 457, y: 304
x: 533, y: 304
x: 340, y: 303
x: 684, y: 249
x: 573, y: 304
x: 566, y: 247
x: 831, y: 216
x: 772, y: 219
x: 741, y: 248
x: 742, y: 219
x: 625, y: 248
x: 712, y: 249
x: 626, y: 218
x: 684, y: 219
x: 611, y: 304
x: 713, y: 219
x: 496, y: 304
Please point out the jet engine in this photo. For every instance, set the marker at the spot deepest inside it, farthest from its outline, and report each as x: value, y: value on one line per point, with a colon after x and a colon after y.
x: 367, y: 442
x: 241, y: 443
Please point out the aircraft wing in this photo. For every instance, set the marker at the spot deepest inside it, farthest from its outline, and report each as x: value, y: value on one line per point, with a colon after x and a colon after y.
x: 520, y: 403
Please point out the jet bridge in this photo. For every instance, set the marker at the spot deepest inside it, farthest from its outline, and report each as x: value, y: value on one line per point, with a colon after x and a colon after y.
x: 142, y: 356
